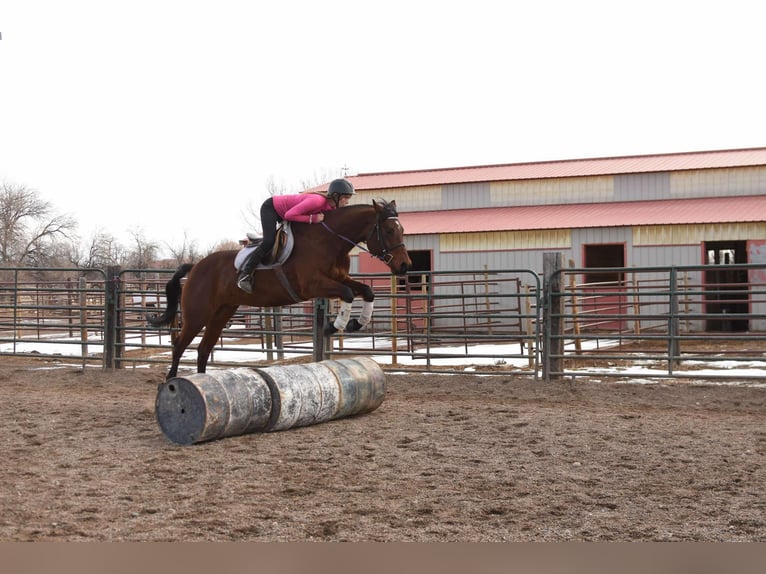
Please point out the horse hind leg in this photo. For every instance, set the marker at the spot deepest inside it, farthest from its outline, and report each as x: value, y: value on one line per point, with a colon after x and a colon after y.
x: 180, y: 343
x: 213, y: 331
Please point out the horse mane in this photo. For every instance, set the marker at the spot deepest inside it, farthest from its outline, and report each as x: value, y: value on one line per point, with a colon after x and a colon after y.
x: 347, y: 209
x: 389, y: 209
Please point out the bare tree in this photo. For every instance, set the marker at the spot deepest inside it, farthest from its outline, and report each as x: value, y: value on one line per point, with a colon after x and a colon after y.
x: 187, y: 252
x: 29, y: 227
x: 101, y: 250
x: 144, y: 252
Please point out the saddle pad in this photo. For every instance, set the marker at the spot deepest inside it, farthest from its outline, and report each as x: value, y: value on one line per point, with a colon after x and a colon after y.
x: 282, y: 256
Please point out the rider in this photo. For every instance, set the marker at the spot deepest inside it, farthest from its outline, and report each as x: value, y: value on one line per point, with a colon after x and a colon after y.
x: 302, y: 207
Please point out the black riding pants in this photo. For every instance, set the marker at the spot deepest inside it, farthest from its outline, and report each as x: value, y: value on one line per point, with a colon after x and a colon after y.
x: 269, y: 220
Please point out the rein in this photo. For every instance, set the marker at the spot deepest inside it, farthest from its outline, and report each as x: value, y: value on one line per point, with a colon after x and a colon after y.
x: 385, y: 256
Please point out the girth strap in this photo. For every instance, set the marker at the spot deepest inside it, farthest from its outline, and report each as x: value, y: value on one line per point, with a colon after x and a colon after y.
x: 285, y: 283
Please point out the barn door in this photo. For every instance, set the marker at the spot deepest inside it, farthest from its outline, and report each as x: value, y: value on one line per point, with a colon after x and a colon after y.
x: 726, y: 289
x: 604, y: 287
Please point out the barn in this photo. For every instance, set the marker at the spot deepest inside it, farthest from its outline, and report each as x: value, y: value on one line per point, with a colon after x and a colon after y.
x: 694, y: 208
x: 650, y: 210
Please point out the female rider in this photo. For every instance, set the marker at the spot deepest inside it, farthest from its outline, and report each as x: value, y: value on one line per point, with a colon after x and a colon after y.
x: 302, y: 207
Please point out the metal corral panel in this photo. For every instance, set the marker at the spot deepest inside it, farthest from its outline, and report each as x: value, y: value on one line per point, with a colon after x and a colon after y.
x: 506, y: 240
x: 719, y: 182
x: 696, y: 234
x: 552, y: 191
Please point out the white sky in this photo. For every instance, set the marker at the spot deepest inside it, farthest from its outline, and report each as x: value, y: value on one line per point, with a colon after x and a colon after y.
x: 170, y: 116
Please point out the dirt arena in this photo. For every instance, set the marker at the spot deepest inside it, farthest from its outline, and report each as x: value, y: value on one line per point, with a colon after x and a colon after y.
x: 444, y: 458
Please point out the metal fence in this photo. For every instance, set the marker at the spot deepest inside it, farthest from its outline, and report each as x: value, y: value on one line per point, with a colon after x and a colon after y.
x: 639, y: 322
x: 701, y: 322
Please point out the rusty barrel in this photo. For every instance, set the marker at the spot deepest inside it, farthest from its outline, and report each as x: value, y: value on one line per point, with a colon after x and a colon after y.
x: 208, y: 406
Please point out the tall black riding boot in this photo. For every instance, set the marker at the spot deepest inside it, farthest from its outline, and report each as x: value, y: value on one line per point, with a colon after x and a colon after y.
x: 245, y: 281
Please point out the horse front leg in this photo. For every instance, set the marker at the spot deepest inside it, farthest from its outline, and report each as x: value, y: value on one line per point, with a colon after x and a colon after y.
x: 344, y: 322
x: 368, y: 298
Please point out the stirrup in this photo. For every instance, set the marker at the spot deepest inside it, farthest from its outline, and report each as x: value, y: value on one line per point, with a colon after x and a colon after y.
x: 245, y: 283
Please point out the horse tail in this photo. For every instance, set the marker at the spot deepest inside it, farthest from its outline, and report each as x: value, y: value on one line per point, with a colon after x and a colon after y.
x: 173, y: 296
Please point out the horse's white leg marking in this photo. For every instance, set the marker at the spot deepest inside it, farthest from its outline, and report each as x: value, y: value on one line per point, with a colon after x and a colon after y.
x: 343, y: 316
x: 366, y: 314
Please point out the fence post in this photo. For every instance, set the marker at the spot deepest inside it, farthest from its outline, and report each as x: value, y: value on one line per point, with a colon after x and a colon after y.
x: 553, y: 306
x: 83, y: 302
x: 111, y: 299
x: 320, y: 314
x: 673, y: 323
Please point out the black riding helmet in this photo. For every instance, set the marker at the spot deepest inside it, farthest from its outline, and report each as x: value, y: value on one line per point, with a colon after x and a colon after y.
x: 339, y: 187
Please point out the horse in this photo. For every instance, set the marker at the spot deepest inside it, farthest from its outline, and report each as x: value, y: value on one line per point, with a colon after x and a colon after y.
x: 317, y: 268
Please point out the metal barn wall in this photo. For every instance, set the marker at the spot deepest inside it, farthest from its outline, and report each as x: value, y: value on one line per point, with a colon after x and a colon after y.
x: 424, y: 198
x: 552, y: 191
x: 466, y: 195
x: 493, y: 250
x: 591, y: 189
x: 660, y: 235
x: 641, y: 187
x: 658, y: 255
x: 718, y: 182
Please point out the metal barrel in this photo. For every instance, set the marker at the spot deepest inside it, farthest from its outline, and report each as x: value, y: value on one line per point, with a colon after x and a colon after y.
x: 316, y: 392
x: 208, y: 406
x: 362, y: 385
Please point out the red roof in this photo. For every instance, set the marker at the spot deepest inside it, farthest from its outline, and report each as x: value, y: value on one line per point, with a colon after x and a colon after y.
x: 563, y: 168
x: 605, y: 214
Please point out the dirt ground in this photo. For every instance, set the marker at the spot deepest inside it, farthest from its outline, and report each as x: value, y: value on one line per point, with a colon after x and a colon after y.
x: 444, y: 458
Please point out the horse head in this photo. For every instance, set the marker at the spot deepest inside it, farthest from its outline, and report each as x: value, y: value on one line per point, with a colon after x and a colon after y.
x: 387, y: 238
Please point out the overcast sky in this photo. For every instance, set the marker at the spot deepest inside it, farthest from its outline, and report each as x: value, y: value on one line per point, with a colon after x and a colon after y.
x: 170, y: 116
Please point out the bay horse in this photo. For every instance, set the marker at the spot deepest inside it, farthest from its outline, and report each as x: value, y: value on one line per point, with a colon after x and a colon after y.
x: 318, y: 267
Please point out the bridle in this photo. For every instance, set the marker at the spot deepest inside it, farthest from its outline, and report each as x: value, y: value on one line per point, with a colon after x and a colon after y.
x: 385, y: 254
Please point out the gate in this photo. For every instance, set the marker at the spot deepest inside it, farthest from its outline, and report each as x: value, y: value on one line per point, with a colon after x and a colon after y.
x: 664, y: 325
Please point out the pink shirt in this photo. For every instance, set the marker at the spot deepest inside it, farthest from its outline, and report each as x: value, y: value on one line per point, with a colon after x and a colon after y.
x: 299, y: 207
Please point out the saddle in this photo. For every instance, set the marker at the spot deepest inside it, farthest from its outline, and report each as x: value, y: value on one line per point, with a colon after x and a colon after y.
x: 283, y: 247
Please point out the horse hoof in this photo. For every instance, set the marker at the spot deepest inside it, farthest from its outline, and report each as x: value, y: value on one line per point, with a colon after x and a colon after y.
x: 353, y: 325
x: 330, y: 329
